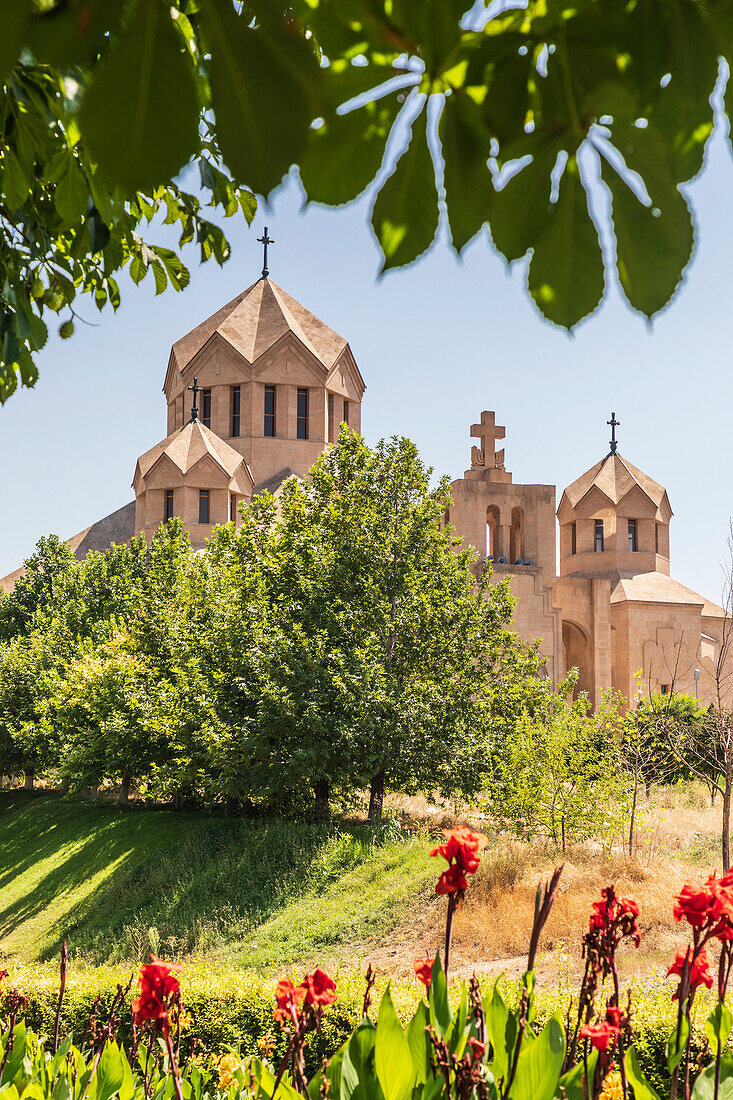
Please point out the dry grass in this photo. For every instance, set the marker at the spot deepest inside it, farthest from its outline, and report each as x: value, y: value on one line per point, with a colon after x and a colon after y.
x: 677, y: 841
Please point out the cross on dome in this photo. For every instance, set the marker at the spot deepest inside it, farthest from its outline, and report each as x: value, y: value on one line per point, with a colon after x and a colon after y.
x: 613, y: 423
x: 264, y: 241
x: 488, y: 431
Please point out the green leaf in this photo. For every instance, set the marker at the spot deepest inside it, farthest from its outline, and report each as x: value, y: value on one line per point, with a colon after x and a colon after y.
x: 110, y: 1072
x: 653, y: 243
x: 358, y: 1072
x: 417, y: 1037
x: 704, y: 1086
x: 540, y: 1063
x: 502, y: 1029
x: 674, y: 1050
x: 718, y: 1026
x: 99, y: 234
x: 519, y: 210
x: 17, y: 1054
x: 573, y: 1086
x: 161, y: 279
x: 263, y: 80
x: 16, y: 187
x: 468, y: 186
x: 440, y: 1013
x: 566, y: 270
x: 71, y: 194
x: 66, y: 329
x: 14, y: 20
x: 346, y: 153
x: 248, y: 204
x: 392, y: 1056
x: 140, y: 113
x: 405, y: 213
x: 642, y: 1089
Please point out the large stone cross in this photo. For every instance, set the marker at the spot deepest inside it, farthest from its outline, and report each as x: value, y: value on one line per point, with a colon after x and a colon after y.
x: 488, y: 431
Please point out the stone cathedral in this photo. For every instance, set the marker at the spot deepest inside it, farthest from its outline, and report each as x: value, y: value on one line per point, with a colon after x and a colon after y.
x: 257, y: 391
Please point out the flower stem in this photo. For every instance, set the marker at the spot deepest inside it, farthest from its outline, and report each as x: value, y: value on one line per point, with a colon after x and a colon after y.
x: 174, y: 1066
x: 449, y: 930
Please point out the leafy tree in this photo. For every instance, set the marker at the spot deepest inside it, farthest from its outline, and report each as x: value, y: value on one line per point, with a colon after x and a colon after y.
x: 353, y: 645
x: 43, y: 574
x: 30, y: 671
x: 104, y: 104
x: 558, y: 774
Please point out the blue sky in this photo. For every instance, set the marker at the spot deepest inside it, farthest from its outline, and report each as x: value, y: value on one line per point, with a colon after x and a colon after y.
x: 436, y: 343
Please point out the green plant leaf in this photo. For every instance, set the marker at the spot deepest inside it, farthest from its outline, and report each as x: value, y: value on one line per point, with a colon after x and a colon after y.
x: 653, y: 243
x: 642, y: 1089
x: 519, y: 210
x: 358, y: 1073
x: 71, y: 194
x: 263, y: 85
x: 566, y: 270
x: 110, y: 1072
x: 17, y: 1054
x: 440, y: 1013
x: 16, y: 186
x: 14, y: 20
x: 540, y: 1063
x: 718, y: 1027
x: 465, y: 141
x: 704, y: 1086
x: 392, y: 1056
x: 572, y: 1084
x: 405, y: 213
x: 345, y: 154
x: 674, y: 1052
x: 140, y: 113
x: 502, y: 1028
x: 417, y: 1037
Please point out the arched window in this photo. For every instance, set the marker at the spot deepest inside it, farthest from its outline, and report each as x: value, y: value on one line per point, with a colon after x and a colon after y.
x: 493, y: 549
x: 516, y: 535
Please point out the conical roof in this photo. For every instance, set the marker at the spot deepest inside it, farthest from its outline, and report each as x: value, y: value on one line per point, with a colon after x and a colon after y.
x: 254, y: 321
x: 188, y: 445
x: 615, y: 476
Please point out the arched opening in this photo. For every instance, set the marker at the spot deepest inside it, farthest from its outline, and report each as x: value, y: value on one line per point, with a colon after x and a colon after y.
x: 493, y: 549
x: 516, y: 535
x: 578, y: 654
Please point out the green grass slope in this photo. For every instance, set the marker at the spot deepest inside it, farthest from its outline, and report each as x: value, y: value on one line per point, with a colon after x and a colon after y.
x: 119, y: 884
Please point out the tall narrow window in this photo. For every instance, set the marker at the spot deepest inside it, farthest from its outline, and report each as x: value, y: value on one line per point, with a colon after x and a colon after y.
x: 206, y: 408
x: 656, y: 538
x: 203, y: 505
x: 269, y: 410
x: 346, y: 412
x: 633, y: 545
x: 573, y: 538
x: 331, y: 417
x: 232, y: 507
x: 236, y: 408
x: 599, y: 536
x: 302, y: 432
x: 168, y: 512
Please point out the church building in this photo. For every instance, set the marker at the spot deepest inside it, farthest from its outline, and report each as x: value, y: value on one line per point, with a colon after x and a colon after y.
x: 256, y: 392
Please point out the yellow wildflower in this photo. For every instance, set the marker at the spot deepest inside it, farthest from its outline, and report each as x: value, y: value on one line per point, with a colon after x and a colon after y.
x: 228, y: 1064
x: 612, y: 1087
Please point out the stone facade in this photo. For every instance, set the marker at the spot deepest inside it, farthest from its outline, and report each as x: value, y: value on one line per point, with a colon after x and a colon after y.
x: 612, y: 611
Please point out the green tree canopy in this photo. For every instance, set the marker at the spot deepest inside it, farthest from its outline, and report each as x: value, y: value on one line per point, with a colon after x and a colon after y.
x: 104, y: 104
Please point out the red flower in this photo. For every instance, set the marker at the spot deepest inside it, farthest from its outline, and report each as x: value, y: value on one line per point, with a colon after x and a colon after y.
x: 695, y: 904
x: 464, y: 846
x: 424, y: 970
x: 602, y: 1035
x: 318, y: 988
x: 478, y: 1049
x: 615, y: 1017
x: 288, y: 999
x: 452, y: 881
x: 699, y: 970
x: 157, y: 984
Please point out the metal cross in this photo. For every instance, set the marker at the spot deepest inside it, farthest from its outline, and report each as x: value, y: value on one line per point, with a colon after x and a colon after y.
x: 196, y: 391
x: 613, y: 423
x: 265, y: 241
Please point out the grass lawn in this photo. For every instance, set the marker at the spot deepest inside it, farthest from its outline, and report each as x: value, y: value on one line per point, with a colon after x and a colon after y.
x: 119, y: 884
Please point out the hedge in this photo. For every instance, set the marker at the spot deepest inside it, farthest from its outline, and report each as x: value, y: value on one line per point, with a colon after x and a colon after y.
x: 233, y: 1008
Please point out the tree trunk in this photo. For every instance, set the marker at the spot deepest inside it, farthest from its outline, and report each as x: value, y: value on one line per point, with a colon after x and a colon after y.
x: 321, y: 791
x: 65, y: 784
x: 726, y: 818
x: 376, y: 798
x: 712, y: 798
x: 633, y: 818
x: 124, y: 796
x: 230, y: 806
x: 28, y: 784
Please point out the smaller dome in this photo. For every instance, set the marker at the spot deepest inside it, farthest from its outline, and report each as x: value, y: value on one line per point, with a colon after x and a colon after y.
x: 187, y: 446
x: 616, y: 477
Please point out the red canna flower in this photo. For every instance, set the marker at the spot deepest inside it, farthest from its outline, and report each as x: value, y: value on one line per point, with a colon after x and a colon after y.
x: 478, y: 1049
x: 602, y: 1035
x: 699, y: 971
x: 289, y: 998
x: 158, y: 984
x: 424, y: 970
x: 452, y: 881
x: 464, y: 846
x: 695, y: 904
x: 319, y: 988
